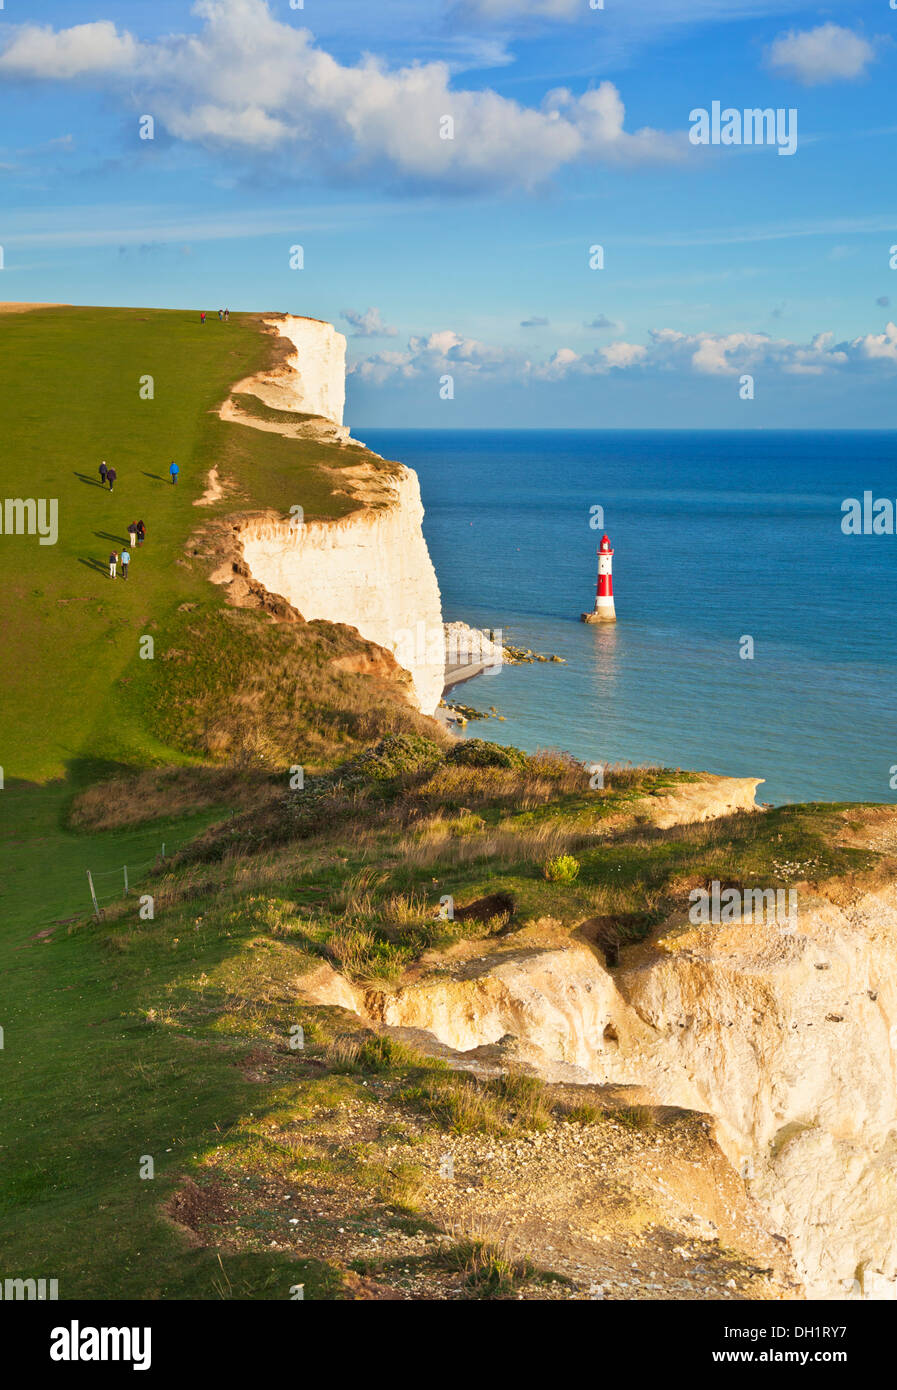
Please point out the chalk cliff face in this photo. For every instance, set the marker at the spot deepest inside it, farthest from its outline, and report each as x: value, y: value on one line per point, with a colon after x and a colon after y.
x: 371, y: 569
x: 314, y: 382
x: 787, y: 1037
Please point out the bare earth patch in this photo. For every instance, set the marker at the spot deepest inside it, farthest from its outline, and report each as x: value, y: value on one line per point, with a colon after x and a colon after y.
x: 214, y: 490
x: 9, y: 307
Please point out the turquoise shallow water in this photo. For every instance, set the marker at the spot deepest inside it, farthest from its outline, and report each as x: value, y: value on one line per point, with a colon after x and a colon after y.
x: 717, y: 536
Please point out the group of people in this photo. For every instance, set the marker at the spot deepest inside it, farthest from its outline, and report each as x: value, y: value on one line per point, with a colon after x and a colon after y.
x: 136, y: 535
x: 136, y: 529
x: 223, y: 316
x: 107, y: 475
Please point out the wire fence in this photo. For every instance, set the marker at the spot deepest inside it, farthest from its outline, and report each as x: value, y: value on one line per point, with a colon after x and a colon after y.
x: 109, y: 886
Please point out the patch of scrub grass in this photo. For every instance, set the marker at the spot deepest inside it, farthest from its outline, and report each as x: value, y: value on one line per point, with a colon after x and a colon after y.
x: 466, y: 1105
x: 487, y: 1270
x: 379, y: 1054
x: 636, y: 1117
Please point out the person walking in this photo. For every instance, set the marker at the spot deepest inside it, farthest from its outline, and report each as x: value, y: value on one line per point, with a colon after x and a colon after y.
x: 113, y: 563
x: 141, y: 533
x: 111, y: 476
x: 227, y: 316
x: 202, y: 317
x: 125, y: 561
x: 220, y: 315
x: 174, y: 471
x: 103, y: 473
x: 132, y: 533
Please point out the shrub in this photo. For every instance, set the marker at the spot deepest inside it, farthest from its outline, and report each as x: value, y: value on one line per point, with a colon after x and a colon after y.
x: 563, y: 869
x: 478, y: 752
x: 397, y: 755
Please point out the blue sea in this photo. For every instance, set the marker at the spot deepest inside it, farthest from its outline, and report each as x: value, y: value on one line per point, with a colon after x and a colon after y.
x: 717, y: 536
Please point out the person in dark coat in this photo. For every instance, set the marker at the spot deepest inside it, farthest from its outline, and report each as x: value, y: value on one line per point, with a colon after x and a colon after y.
x: 103, y: 473
x: 141, y: 533
x: 111, y: 476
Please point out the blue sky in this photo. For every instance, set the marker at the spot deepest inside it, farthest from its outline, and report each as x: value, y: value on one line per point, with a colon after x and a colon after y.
x: 320, y: 126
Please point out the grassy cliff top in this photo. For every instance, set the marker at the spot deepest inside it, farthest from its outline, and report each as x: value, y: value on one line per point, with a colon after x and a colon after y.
x: 74, y: 693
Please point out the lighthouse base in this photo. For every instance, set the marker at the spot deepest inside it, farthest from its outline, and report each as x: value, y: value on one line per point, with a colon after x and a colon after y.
x: 607, y: 615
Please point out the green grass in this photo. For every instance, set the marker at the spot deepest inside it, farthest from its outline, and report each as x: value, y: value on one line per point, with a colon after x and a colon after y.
x: 73, y: 685
x: 89, y: 1085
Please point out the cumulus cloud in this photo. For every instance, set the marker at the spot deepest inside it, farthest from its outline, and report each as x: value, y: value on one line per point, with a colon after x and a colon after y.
x: 444, y: 351
x: 248, y: 82
x: 880, y: 346
x: 369, y: 324
x: 87, y: 50
x: 668, y: 350
x: 828, y: 53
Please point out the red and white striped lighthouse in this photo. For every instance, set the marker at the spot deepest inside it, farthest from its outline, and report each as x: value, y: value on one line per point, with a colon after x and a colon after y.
x: 603, y: 612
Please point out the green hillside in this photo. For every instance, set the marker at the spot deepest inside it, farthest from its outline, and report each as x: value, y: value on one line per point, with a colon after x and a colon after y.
x: 73, y: 687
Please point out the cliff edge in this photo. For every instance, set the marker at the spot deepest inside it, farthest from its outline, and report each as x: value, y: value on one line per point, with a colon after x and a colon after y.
x: 370, y: 569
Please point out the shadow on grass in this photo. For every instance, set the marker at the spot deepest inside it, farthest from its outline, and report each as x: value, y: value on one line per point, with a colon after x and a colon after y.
x: 98, y: 565
x: 91, y: 482
x: 110, y: 536
x: 157, y: 477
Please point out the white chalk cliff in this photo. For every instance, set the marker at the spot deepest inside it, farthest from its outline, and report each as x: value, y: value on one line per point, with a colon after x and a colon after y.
x: 315, y: 380
x: 371, y: 569
x: 786, y: 1037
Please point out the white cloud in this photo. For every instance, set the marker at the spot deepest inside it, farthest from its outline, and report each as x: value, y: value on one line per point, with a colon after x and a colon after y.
x: 437, y: 353
x: 369, y: 324
x: 83, y: 51
x: 878, y: 345
x: 668, y: 350
x: 624, y: 354
x: 247, y: 82
x: 828, y: 53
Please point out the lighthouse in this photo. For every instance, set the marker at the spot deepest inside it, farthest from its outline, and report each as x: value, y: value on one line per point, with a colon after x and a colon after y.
x: 603, y: 612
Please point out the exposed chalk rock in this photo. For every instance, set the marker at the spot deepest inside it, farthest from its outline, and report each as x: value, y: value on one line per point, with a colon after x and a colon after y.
x: 314, y: 382
x: 796, y: 1063
x: 370, y: 570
